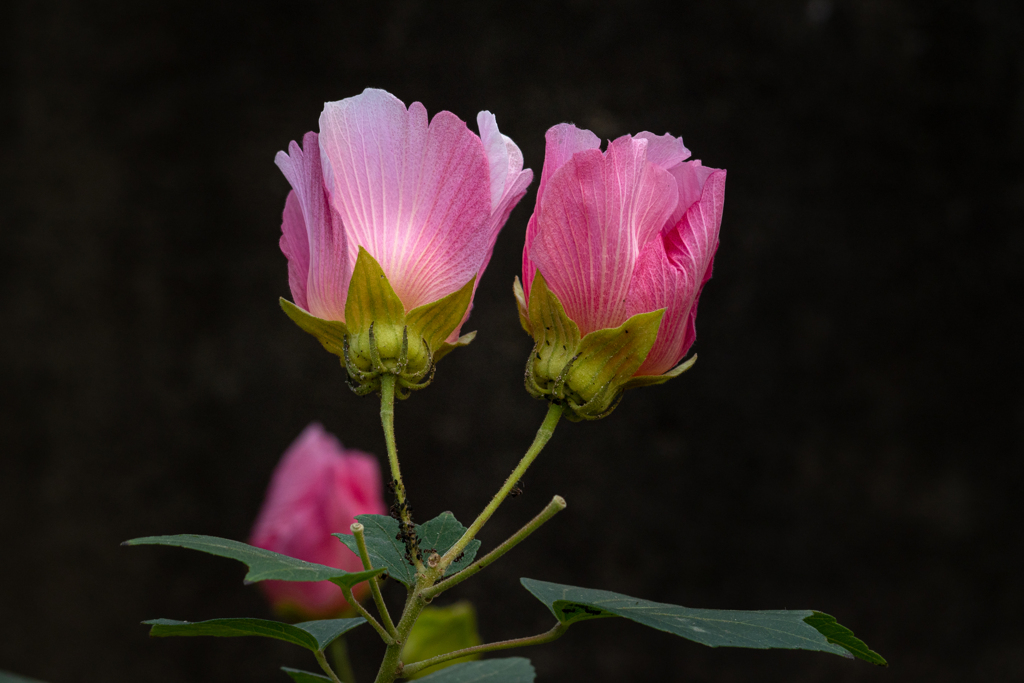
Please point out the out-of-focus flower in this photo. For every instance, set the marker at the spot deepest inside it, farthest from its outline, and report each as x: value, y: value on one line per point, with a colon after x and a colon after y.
x: 617, y: 251
x: 390, y: 223
x: 317, y: 489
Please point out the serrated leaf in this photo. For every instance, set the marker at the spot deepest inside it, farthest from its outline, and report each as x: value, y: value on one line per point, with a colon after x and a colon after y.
x: 438, y: 631
x: 330, y: 333
x: 838, y: 634
x: 786, y: 629
x: 435, y: 321
x: 387, y: 551
x: 312, y: 635
x: 304, y: 676
x: 8, y: 677
x: 507, y: 670
x: 263, y: 564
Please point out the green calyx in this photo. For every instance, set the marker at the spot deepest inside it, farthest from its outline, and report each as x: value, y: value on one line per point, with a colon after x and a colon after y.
x: 379, y: 337
x: 585, y: 374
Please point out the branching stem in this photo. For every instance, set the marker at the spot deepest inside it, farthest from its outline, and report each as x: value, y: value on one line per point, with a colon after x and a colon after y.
x: 554, y: 634
x: 378, y: 599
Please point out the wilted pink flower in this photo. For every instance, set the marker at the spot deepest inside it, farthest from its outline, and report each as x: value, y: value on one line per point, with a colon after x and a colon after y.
x: 317, y: 489
x: 426, y: 200
x: 631, y: 230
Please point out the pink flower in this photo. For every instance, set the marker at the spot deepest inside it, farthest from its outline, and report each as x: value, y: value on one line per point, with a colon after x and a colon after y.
x: 627, y: 231
x: 317, y: 489
x: 426, y: 200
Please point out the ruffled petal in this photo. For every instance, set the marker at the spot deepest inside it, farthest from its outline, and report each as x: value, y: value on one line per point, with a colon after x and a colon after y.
x: 691, y: 246
x: 665, y: 150
x: 417, y: 197
x: 326, y: 255
x: 295, y: 246
x: 690, y: 178
x: 596, y: 213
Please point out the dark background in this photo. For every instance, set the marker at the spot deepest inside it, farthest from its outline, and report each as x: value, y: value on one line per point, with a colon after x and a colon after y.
x: 850, y: 441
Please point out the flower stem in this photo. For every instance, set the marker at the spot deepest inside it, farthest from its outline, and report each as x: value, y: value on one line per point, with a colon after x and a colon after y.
x: 378, y: 599
x: 339, y: 655
x: 547, y: 428
x: 322, y: 661
x: 387, y: 420
x: 556, y: 505
x: 554, y: 634
x: 384, y: 635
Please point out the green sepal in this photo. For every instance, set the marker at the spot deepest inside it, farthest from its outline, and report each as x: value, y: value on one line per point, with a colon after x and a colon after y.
x: 447, y: 348
x: 606, y: 360
x: 312, y: 635
x: 652, y: 380
x: 433, y: 322
x: 372, y: 302
x: 784, y: 629
x: 440, y: 630
x: 556, y: 340
x: 300, y: 676
x: 388, y: 552
x: 507, y: 670
x: 263, y: 564
x: 330, y: 333
x: 524, y: 315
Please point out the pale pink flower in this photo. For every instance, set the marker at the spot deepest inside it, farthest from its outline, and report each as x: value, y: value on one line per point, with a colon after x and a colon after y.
x: 426, y: 200
x: 316, y: 490
x: 627, y: 231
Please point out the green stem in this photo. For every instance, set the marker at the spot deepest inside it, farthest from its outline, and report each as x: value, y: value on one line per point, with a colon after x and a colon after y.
x: 387, y: 420
x: 378, y: 599
x: 556, y: 505
x: 547, y: 428
x: 385, y: 636
x: 554, y: 634
x: 322, y: 661
x: 391, y: 666
x: 339, y: 655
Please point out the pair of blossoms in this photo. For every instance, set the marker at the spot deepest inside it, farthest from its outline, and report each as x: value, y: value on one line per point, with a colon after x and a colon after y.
x: 390, y: 224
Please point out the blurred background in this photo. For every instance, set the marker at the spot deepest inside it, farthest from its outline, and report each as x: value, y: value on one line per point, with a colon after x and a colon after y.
x: 850, y: 440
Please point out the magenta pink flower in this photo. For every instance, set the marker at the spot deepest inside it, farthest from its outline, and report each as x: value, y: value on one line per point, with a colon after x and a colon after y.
x: 627, y: 231
x: 426, y: 200
x: 317, y: 489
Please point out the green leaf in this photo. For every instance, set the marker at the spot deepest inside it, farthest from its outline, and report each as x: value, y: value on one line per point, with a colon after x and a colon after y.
x: 304, y: 676
x: 440, y: 630
x: 312, y: 635
x: 8, y: 677
x: 371, y: 297
x: 387, y: 551
x: 508, y: 670
x: 838, y: 634
x: 263, y: 564
x: 524, y: 315
x: 786, y: 629
x: 330, y: 333
x: 447, y: 348
x: 435, y: 321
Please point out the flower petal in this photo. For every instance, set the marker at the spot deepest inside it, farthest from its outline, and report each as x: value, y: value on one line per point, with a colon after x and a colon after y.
x: 692, y: 245
x: 326, y: 260
x: 690, y: 178
x: 417, y: 197
x: 665, y: 150
x: 658, y: 283
x: 295, y: 246
x: 596, y: 213
x: 561, y: 142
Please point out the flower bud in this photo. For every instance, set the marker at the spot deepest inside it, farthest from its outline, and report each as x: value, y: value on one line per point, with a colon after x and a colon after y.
x: 317, y: 489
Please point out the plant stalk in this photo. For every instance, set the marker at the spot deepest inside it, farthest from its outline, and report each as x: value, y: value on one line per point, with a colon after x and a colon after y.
x: 547, y: 428
x: 554, y: 634
x: 378, y: 599
x: 387, y: 420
